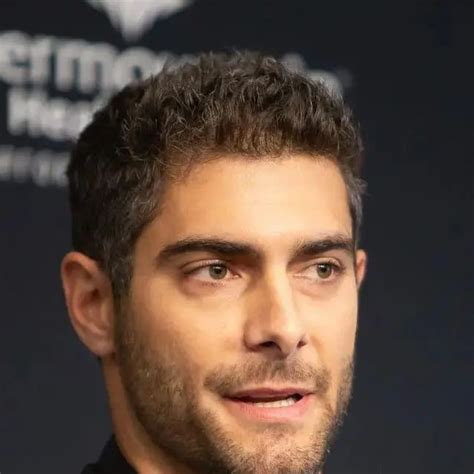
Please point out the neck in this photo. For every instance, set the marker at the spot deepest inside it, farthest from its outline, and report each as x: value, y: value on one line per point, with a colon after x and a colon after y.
x: 132, y: 440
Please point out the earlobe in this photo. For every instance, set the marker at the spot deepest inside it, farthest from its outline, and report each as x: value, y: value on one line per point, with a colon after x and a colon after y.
x: 361, y: 267
x: 89, y: 301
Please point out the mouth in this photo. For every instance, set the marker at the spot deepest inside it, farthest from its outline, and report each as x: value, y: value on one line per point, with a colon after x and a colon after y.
x: 271, y: 405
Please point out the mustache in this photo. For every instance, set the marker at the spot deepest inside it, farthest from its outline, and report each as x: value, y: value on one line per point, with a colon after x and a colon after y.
x: 231, y: 378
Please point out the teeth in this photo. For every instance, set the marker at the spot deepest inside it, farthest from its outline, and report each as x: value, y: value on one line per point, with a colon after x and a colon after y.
x: 276, y: 404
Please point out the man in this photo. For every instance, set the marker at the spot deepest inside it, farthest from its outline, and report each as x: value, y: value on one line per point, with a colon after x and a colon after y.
x: 215, y: 271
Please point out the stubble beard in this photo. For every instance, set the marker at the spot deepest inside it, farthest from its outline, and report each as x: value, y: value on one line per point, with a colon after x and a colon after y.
x: 167, y: 407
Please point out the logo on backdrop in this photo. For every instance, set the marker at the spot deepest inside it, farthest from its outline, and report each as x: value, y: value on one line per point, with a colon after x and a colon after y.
x: 133, y: 17
x: 53, y: 85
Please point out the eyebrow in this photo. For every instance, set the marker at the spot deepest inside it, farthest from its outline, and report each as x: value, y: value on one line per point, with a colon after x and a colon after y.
x: 308, y: 248
x: 227, y: 248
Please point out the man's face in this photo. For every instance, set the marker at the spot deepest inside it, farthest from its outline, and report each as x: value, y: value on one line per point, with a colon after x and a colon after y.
x: 243, y: 294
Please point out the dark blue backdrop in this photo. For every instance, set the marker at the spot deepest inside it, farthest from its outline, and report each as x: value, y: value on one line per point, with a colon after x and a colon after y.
x: 405, y: 67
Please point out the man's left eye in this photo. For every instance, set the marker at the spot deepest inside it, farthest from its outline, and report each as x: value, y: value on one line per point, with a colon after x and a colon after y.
x: 325, y: 270
x: 217, y: 272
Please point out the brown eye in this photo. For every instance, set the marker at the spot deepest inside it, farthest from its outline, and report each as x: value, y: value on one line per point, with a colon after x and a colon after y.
x: 324, y: 270
x: 217, y: 272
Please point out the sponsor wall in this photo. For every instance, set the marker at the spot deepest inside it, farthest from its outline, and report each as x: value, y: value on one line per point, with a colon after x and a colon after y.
x: 405, y: 70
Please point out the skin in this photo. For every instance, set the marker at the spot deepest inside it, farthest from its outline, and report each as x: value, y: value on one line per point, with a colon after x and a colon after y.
x: 264, y: 316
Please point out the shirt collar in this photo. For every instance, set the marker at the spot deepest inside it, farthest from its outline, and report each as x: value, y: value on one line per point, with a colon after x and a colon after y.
x: 112, y: 461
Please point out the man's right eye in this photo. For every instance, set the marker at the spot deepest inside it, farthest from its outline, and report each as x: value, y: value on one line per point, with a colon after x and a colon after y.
x: 210, y: 272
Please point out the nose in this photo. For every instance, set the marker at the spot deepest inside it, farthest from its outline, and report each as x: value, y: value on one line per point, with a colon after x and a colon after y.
x: 274, y: 324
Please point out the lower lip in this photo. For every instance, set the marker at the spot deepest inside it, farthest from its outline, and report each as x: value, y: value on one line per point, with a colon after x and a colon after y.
x: 292, y: 413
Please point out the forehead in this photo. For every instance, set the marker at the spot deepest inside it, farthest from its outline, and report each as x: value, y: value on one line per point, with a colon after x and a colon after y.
x: 256, y: 200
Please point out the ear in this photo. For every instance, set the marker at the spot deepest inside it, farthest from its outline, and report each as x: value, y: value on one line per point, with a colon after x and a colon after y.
x: 89, y: 301
x: 361, y: 267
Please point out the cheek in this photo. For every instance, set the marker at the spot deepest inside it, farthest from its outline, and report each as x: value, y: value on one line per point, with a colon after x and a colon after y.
x: 334, y: 323
x: 187, y: 333
x: 333, y: 330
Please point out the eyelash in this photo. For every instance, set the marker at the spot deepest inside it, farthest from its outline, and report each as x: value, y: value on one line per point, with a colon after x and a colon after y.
x: 337, y: 268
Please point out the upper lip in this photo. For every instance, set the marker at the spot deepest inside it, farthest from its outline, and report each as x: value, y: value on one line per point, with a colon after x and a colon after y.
x: 270, y: 392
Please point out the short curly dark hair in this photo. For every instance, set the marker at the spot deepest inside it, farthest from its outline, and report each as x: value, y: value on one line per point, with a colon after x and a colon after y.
x: 241, y: 103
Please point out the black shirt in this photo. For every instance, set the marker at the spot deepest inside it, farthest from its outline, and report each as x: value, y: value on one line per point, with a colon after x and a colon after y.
x: 111, y: 461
